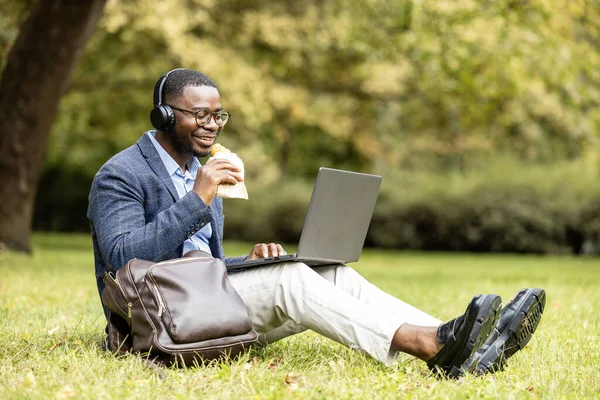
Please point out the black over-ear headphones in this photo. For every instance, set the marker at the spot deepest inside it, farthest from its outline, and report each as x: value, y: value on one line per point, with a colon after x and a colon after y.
x: 162, y: 116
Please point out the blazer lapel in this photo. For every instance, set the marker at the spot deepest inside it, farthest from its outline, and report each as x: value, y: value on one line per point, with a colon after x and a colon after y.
x: 156, y: 164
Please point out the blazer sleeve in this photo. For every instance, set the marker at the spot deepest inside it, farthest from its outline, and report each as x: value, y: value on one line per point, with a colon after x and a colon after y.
x: 118, y: 215
x: 219, y: 209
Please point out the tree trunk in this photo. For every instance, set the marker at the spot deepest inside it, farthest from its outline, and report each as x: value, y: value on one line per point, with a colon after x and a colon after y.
x: 38, y: 69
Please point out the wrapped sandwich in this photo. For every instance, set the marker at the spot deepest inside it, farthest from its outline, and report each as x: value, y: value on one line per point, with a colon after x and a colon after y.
x: 237, y: 191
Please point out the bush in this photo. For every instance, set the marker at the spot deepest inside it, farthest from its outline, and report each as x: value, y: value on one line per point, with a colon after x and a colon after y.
x: 274, y: 213
x: 500, y: 208
x: 533, y: 210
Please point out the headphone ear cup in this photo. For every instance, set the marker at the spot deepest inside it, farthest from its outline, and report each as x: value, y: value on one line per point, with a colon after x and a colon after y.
x: 162, y: 117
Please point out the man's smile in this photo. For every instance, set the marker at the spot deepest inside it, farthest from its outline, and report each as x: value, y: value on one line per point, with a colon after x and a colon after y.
x: 206, y: 140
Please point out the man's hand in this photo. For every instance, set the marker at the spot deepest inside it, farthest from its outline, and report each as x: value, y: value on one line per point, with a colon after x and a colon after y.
x: 263, y: 250
x: 212, y: 174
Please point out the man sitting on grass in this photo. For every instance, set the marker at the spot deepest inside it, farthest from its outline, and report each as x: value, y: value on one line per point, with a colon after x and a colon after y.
x: 154, y: 201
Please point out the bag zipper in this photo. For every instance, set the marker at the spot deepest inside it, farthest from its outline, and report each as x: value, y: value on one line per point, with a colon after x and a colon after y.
x: 129, y: 303
x: 161, y: 303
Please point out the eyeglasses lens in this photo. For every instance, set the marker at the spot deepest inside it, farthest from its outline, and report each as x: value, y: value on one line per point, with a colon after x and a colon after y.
x: 220, y: 117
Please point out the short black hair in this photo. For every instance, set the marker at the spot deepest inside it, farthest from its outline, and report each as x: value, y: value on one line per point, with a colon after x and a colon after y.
x: 182, y: 78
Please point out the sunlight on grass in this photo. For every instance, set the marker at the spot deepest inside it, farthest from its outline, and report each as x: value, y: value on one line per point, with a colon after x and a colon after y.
x: 51, y: 325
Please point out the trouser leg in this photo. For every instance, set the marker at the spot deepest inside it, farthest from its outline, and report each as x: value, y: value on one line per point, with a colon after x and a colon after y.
x: 287, y: 298
x: 350, y: 281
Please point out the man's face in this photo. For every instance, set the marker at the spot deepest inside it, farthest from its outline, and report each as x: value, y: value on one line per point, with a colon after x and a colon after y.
x: 188, y: 138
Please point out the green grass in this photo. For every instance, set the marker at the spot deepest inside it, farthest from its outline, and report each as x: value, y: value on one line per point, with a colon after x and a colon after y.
x: 51, y: 324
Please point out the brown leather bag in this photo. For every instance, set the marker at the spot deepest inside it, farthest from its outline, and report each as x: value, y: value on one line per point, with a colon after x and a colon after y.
x: 179, y: 311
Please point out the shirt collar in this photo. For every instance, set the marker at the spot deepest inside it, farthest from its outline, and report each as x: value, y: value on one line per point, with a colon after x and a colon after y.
x: 170, y: 163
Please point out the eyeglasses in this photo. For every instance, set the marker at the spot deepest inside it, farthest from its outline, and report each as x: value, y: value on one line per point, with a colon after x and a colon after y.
x: 204, y: 115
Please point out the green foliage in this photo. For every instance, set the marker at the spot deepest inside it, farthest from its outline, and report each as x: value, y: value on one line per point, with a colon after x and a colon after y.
x: 12, y: 14
x: 62, y: 205
x: 357, y: 84
x: 506, y: 209
x: 501, y: 208
x: 392, y: 87
x: 275, y: 213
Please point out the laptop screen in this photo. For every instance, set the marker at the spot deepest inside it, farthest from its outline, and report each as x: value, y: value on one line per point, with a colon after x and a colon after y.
x: 339, y: 215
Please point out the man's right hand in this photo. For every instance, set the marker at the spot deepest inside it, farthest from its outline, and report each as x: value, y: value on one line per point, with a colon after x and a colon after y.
x: 213, y: 173
x: 263, y: 250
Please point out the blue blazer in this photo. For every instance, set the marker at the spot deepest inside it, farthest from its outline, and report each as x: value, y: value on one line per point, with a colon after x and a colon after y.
x: 135, y: 212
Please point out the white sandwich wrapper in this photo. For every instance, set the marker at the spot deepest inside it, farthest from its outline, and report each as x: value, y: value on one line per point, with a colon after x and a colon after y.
x: 229, y: 191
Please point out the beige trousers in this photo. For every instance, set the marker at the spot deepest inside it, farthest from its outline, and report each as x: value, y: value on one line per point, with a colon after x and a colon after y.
x: 334, y: 301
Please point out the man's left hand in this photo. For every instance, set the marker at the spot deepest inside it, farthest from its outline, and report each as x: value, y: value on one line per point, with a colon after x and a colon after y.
x: 263, y: 250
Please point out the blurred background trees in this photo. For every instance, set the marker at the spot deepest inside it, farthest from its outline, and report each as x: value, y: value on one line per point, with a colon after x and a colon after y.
x: 482, y: 116
x: 36, y: 71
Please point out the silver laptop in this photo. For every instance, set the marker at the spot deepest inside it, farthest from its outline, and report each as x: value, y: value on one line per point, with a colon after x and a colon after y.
x: 336, y: 223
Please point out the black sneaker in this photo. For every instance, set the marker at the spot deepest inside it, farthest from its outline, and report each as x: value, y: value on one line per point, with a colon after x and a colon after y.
x: 462, y: 336
x: 518, y: 321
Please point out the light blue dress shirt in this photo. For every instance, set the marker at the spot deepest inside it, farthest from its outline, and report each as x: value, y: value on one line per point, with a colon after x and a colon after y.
x: 184, y: 182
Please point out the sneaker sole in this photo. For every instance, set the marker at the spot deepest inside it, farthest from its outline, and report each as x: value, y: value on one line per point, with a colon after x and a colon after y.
x: 517, y: 334
x: 485, y: 321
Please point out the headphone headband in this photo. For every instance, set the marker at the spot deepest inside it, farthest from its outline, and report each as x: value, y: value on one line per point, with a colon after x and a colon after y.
x: 162, y: 116
x: 158, y: 88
